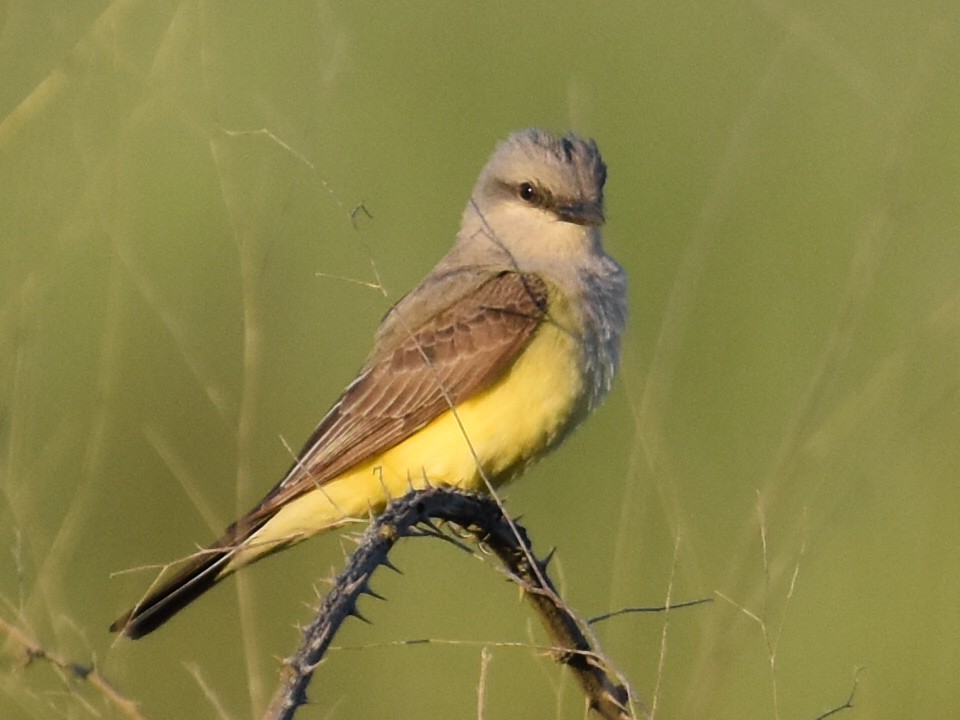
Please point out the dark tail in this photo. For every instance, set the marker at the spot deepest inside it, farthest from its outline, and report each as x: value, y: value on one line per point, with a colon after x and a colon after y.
x: 163, y: 603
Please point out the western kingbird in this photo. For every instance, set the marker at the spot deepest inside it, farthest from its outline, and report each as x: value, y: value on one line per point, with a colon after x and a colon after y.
x: 509, y: 342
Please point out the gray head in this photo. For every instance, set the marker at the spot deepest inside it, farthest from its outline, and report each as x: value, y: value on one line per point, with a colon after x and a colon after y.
x: 538, y: 207
x: 540, y: 194
x: 560, y: 175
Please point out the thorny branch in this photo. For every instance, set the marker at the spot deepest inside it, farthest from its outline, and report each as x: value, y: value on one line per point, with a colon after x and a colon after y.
x: 479, y: 516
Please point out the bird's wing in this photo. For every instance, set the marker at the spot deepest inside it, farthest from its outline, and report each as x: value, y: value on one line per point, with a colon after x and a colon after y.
x: 421, y: 367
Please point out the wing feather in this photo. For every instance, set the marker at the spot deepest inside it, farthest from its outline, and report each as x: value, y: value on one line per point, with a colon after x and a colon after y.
x: 413, y: 377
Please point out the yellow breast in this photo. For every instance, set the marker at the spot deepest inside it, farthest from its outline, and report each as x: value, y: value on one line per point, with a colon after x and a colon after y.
x: 494, y: 435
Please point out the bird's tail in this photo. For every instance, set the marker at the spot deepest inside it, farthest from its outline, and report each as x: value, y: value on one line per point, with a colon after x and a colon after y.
x: 202, y: 572
x: 276, y: 523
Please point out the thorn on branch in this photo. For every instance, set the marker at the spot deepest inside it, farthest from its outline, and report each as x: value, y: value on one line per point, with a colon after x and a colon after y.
x: 390, y: 566
x: 367, y: 590
x: 542, y: 564
x: 359, y: 616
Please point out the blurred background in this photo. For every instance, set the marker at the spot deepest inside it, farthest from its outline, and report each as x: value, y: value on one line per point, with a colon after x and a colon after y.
x: 185, y: 289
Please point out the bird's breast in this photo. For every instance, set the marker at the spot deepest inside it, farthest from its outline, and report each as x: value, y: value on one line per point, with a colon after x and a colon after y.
x: 493, y: 435
x: 531, y: 408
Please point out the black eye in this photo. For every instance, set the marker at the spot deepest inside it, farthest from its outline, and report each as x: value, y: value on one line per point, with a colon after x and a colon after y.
x: 528, y: 193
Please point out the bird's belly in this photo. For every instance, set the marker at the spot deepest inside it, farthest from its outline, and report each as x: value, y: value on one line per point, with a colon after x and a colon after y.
x: 502, y: 429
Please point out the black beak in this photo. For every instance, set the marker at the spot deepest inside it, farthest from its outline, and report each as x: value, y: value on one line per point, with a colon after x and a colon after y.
x: 581, y: 213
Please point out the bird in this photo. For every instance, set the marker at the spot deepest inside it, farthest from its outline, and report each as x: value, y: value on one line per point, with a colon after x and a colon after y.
x: 505, y: 347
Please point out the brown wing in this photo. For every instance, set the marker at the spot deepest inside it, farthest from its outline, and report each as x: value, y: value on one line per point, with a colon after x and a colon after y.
x: 453, y: 353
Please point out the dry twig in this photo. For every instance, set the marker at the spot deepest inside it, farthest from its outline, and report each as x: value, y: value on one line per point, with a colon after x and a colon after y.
x: 33, y: 651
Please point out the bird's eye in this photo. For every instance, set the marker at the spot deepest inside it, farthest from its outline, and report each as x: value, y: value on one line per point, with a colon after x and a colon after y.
x: 528, y: 193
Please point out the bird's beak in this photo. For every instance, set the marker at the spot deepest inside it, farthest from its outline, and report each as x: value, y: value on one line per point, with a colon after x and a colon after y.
x: 581, y: 213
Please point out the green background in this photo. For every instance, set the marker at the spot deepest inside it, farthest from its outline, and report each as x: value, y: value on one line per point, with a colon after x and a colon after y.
x: 176, y: 185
